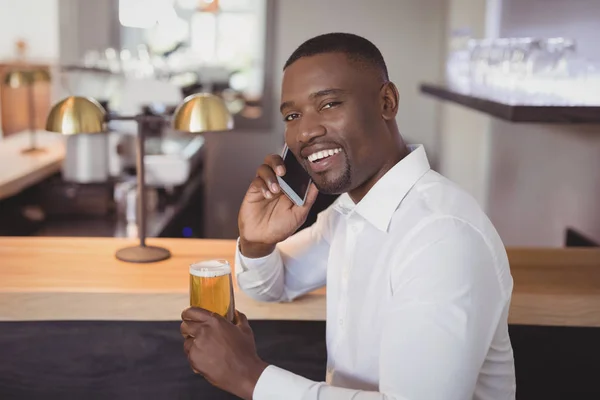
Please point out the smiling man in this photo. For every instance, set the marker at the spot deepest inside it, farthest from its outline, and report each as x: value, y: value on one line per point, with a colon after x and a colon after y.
x: 418, y: 281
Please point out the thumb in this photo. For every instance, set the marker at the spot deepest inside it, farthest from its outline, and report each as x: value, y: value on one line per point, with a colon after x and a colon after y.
x: 311, y: 197
x: 301, y: 213
x: 242, y: 322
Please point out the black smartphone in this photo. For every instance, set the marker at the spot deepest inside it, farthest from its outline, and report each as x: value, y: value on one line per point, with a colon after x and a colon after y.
x: 296, y: 181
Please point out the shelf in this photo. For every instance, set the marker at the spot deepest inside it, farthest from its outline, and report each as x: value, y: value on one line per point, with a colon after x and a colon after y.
x: 518, y: 113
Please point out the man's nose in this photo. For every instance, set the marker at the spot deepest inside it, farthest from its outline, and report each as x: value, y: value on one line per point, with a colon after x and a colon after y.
x: 310, y: 128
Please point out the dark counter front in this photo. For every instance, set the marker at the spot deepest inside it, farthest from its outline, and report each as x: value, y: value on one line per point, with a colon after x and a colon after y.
x: 133, y: 360
x: 145, y: 360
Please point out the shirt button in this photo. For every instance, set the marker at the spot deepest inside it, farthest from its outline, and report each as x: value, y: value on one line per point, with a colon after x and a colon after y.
x: 341, y: 322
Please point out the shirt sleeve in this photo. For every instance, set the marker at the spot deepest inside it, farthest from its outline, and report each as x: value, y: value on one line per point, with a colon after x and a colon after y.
x: 297, y: 266
x: 447, y: 303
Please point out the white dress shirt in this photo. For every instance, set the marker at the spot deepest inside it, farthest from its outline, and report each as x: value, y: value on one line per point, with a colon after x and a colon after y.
x: 418, y: 293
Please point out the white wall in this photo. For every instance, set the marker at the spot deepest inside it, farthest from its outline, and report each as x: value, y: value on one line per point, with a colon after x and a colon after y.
x: 464, y: 143
x: 409, y: 33
x: 87, y: 25
x: 579, y: 19
x: 545, y: 178
x: 35, y: 21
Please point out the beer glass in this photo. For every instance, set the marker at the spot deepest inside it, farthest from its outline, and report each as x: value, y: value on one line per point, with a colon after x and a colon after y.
x: 211, y: 287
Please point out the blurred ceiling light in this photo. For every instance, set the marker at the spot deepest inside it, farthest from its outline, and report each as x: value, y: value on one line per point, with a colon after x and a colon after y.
x: 167, y: 33
x: 239, y: 81
x: 137, y: 13
x: 166, y: 13
x: 188, y: 4
x: 144, y: 13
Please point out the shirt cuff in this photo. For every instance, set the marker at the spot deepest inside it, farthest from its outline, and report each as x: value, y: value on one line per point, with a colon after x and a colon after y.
x: 243, y: 263
x: 276, y: 384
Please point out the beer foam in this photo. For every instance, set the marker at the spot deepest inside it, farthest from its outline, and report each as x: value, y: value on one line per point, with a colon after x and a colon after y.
x: 210, y: 269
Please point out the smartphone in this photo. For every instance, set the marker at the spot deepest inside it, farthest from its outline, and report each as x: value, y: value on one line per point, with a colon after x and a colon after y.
x: 296, y: 181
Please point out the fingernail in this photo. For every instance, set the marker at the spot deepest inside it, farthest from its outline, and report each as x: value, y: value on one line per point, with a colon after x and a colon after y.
x: 280, y: 171
x: 268, y: 195
x: 274, y: 187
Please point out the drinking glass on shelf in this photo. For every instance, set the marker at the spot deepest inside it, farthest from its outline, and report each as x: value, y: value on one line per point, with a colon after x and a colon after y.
x: 548, y: 73
x: 478, y: 65
x: 529, y: 71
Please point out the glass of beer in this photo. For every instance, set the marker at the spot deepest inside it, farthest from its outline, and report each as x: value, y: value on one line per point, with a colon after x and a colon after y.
x: 211, y: 287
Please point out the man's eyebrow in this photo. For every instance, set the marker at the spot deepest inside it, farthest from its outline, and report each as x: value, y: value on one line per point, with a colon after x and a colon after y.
x: 320, y: 93
x: 326, y: 92
x: 285, y: 104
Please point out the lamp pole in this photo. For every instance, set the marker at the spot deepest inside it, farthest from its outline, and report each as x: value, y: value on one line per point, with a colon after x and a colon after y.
x: 141, y: 181
x: 141, y: 253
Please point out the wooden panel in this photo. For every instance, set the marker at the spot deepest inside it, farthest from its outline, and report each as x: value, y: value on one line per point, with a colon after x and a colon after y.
x: 79, y: 278
x: 14, y: 102
x: 556, y: 286
x: 15, y: 114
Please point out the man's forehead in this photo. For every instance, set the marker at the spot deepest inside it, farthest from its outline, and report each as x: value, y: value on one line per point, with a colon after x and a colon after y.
x: 328, y: 69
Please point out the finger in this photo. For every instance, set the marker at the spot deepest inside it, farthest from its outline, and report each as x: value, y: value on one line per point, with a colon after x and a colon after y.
x: 266, y: 173
x: 240, y: 319
x: 198, y: 314
x: 276, y: 163
x: 302, y: 212
x: 259, y: 186
x: 190, y: 329
x: 184, y: 330
x: 187, y: 345
x: 311, y: 196
x: 242, y: 322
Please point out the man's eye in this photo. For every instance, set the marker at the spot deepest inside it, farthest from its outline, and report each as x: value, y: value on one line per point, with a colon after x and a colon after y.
x: 290, y: 117
x: 330, y: 104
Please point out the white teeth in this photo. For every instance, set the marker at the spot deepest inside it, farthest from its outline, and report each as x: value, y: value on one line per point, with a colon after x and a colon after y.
x: 323, y: 154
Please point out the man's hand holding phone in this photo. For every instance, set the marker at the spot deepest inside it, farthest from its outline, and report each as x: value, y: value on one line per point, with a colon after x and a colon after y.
x: 267, y: 216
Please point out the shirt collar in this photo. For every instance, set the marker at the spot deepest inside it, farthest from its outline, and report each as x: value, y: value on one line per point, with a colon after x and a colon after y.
x: 380, y: 203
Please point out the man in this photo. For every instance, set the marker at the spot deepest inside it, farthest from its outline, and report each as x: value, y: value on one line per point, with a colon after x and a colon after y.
x: 418, y: 281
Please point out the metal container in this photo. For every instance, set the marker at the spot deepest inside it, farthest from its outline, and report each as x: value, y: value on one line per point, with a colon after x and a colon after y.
x: 86, y: 159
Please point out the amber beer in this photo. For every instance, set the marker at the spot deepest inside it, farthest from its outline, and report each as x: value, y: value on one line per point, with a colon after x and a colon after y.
x: 211, y: 287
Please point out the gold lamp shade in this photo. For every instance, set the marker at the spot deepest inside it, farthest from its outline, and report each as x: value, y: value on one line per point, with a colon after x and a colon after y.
x: 24, y: 77
x: 202, y: 112
x: 75, y: 115
x: 17, y: 78
x: 40, y: 75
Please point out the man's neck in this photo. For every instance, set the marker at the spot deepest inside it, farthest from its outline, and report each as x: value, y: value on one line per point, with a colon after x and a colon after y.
x: 357, y: 194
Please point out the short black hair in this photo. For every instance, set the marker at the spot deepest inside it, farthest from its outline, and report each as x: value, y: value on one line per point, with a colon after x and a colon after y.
x: 355, y: 47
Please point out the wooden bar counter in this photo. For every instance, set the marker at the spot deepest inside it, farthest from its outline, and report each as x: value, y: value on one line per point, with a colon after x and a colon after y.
x: 80, y: 279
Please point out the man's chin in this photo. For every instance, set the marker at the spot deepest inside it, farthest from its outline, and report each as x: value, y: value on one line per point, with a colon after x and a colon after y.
x: 331, y: 187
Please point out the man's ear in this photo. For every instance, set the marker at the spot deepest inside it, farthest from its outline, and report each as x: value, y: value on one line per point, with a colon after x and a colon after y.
x: 389, y: 101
